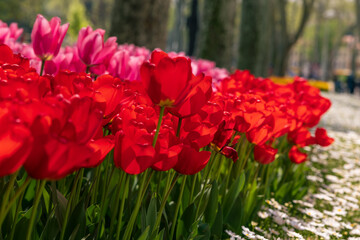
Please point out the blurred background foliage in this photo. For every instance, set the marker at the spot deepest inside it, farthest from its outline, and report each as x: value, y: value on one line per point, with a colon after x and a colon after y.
x: 311, y: 38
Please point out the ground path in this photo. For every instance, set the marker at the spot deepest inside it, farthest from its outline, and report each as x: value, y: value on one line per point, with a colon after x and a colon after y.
x: 331, y: 208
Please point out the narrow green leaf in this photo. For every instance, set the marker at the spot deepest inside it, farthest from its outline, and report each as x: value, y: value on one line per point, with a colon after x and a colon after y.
x: 76, y: 225
x: 51, y: 229
x: 234, y: 191
x: 186, y: 221
x: 145, y: 234
x: 160, y: 236
x: 217, y: 227
x: 210, y: 211
x: 151, y: 213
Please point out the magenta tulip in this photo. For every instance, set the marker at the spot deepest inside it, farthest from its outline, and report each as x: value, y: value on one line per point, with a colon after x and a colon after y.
x: 91, y: 47
x: 47, y: 37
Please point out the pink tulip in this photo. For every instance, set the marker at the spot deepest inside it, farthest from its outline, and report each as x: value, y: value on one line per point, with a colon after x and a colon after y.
x: 134, y: 50
x: 47, y: 37
x: 91, y: 47
x: 15, y: 31
x: 125, y: 66
x: 2, y: 24
x: 4, y: 35
x: 8, y: 35
x: 61, y: 62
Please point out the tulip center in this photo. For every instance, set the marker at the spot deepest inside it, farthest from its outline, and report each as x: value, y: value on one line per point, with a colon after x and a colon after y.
x: 166, y: 103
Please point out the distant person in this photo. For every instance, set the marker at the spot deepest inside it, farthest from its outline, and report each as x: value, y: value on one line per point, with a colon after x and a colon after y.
x: 351, y: 83
x: 337, y: 84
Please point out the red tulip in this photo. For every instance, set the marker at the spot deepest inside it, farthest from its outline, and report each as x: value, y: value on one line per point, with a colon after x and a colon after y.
x: 196, y: 99
x: 296, y: 156
x: 322, y: 138
x: 264, y: 154
x: 191, y: 161
x: 15, y: 142
x: 65, y: 143
x: 167, y: 81
x: 230, y: 152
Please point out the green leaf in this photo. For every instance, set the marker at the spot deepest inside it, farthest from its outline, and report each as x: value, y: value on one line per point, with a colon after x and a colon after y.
x: 145, y: 234
x: 186, y: 221
x: 233, y: 193
x: 92, y: 214
x: 30, y: 191
x: 210, y: 211
x: 46, y: 200
x: 217, y: 227
x: 22, y: 225
x: 283, y: 190
x: 151, y: 213
x: 51, y: 229
x: 160, y: 236
x: 143, y: 218
x: 204, y: 232
x: 76, y: 225
x: 60, y: 202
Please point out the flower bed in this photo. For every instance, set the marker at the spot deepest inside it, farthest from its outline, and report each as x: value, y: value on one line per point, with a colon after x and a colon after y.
x: 108, y: 141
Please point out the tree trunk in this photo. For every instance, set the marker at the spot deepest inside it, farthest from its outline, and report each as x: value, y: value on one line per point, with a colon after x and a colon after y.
x: 177, y: 36
x: 249, y: 35
x: 286, y: 40
x: 193, y: 26
x: 265, y: 44
x: 218, y: 31
x: 141, y: 22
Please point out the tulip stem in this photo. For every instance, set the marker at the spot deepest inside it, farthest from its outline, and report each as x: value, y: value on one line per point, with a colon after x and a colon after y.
x: 257, y: 170
x: 121, y: 210
x: 192, y: 188
x: 173, y: 224
x: 20, y: 190
x: 143, y: 186
x: 17, y: 211
x: 205, y: 180
x: 42, y: 67
x: 68, y: 206
x: 116, y: 202
x: 34, y: 208
x: 163, y: 203
x: 158, y: 125
x: 3, y: 209
x: 179, y: 127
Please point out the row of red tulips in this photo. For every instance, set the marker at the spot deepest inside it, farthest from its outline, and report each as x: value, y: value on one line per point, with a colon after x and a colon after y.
x: 63, y: 110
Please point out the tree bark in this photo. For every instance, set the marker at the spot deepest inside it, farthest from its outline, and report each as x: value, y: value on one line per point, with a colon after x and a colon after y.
x: 141, y: 22
x: 249, y: 35
x: 287, y: 40
x: 193, y: 26
x: 218, y: 31
x: 264, y: 50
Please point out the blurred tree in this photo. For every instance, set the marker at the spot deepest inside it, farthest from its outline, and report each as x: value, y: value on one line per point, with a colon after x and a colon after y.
x: 355, y: 52
x: 217, y: 31
x: 193, y: 26
x: 21, y: 11
x: 267, y: 40
x: 77, y: 17
x: 177, y: 36
x: 10, y: 10
x: 288, y: 34
x: 99, y: 12
x: 141, y: 22
x: 250, y: 31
